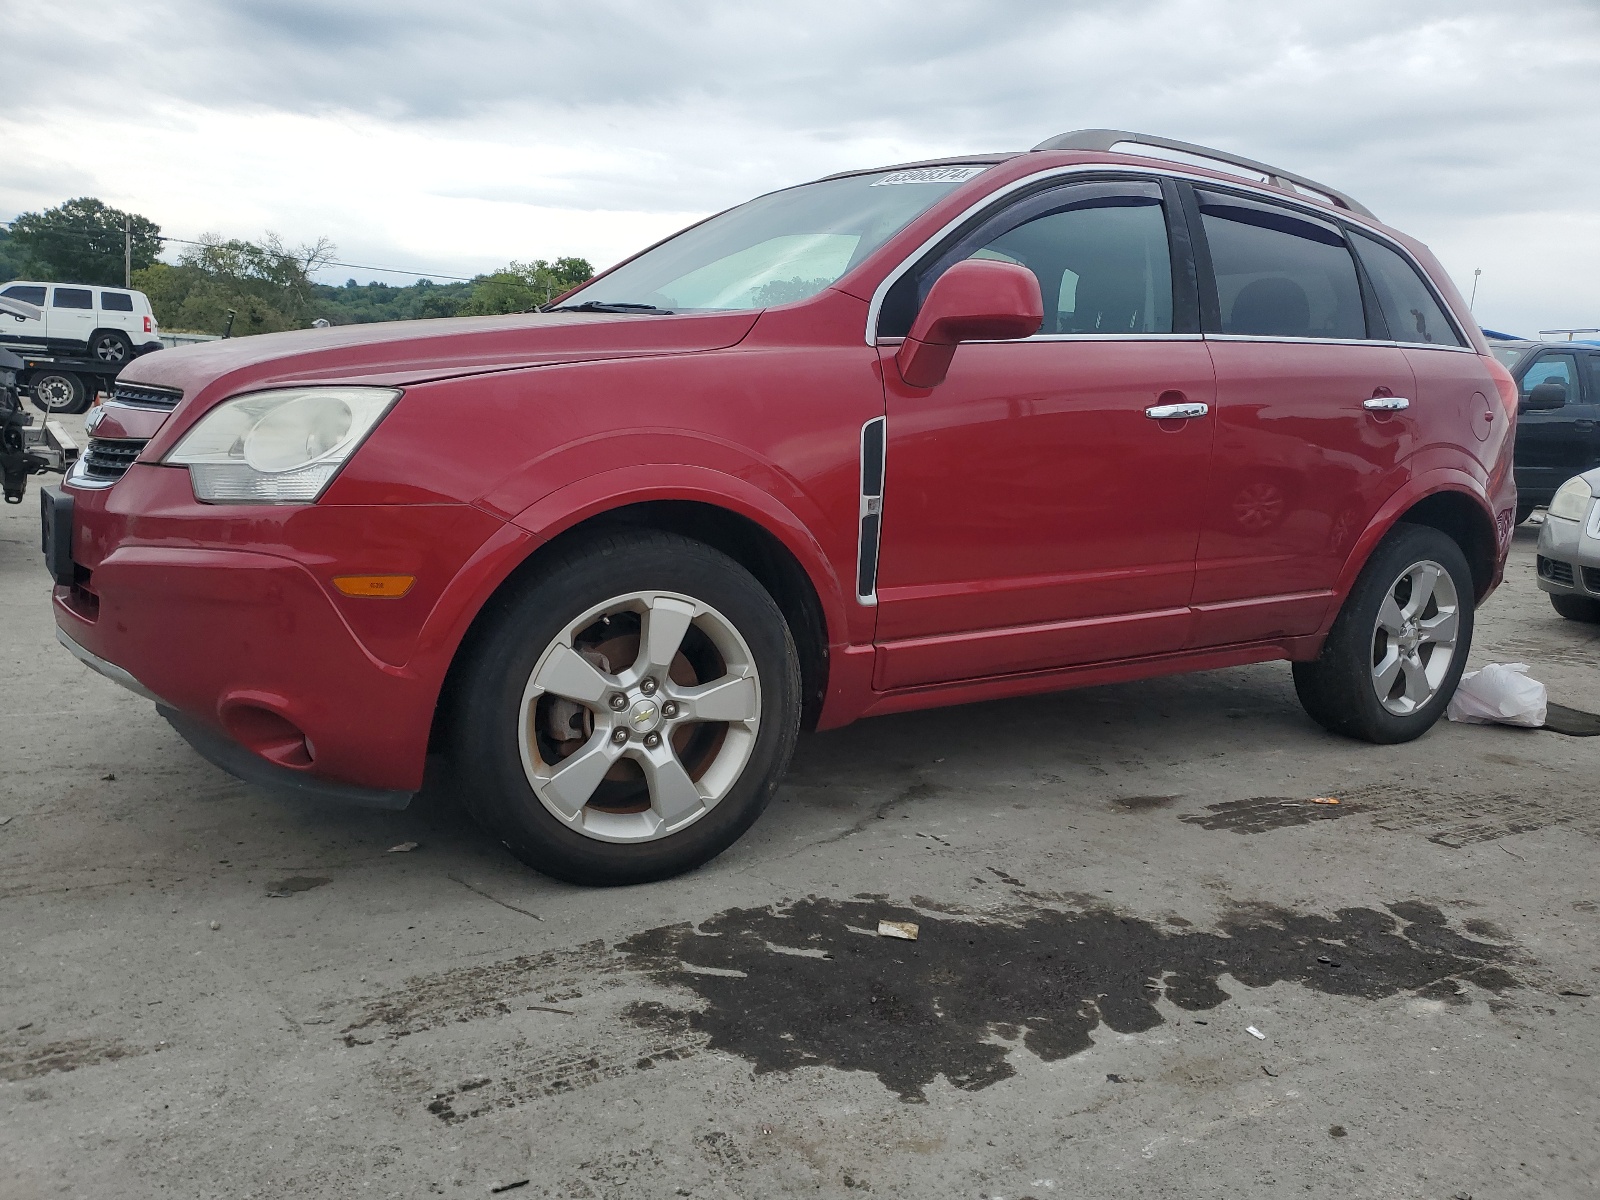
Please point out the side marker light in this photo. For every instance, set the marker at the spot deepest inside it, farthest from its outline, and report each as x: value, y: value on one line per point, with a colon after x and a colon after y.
x: 387, y: 587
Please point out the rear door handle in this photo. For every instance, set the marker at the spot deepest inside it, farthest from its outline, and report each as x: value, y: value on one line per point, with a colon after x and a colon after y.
x: 1176, y: 412
x: 1386, y: 404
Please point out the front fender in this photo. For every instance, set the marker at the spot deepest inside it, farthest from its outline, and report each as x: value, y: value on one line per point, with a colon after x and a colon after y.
x: 595, y: 495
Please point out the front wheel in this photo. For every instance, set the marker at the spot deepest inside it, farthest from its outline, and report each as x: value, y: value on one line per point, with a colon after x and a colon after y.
x: 1577, y: 608
x: 627, y: 713
x: 1397, y: 648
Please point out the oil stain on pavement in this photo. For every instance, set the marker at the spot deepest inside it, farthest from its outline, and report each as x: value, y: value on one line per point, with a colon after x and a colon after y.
x: 1261, y: 813
x: 809, y: 984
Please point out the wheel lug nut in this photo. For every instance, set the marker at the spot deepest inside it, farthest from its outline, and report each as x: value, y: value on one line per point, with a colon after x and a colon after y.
x: 669, y: 710
x: 619, y: 735
x: 647, y: 686
x: 652, y: 740
x: 618, y: 702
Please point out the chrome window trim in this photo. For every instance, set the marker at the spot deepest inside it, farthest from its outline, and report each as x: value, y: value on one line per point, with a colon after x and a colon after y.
x: 1308, y: 341
x: 1073, y: 337
x: 1320, y: 212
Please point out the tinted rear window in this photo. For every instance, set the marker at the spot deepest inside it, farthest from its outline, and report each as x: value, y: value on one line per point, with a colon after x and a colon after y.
x: 1280, y: 274
x: 116, y: 301
x: 28, y: 295
x: 73, y: 298
x: 1408, y: 305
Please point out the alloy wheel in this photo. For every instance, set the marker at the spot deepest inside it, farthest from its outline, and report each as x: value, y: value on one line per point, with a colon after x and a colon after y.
x: 1414, y: 638
x: 110, y: 350
x: 639, y: 717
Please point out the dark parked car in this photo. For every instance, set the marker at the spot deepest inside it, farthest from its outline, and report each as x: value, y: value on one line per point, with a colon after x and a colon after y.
x: 1558, y: 432
x: 903, y: 437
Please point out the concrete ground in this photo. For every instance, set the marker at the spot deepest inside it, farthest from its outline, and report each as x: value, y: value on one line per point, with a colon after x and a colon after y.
x: 209, y: 992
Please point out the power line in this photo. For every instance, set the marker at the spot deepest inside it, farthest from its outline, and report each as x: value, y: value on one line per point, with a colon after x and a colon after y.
x: 281, y: 254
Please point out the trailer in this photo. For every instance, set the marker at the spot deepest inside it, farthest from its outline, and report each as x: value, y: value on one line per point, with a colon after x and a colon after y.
x: 59, y: 383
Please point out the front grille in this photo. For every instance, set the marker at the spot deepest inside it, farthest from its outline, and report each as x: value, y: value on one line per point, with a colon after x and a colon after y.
x: 1552, y: 569
x: 1591, y: 579
x: 109, y: 458
x: 140, y: 396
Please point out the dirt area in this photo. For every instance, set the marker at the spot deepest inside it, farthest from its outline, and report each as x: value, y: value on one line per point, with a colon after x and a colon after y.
x: 208, y: 991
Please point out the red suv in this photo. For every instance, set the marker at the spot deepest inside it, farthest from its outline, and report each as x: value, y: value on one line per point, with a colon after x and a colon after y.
x: 896, y: 438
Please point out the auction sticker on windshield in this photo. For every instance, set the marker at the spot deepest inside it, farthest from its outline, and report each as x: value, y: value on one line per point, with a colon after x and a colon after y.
x: 930, y: 175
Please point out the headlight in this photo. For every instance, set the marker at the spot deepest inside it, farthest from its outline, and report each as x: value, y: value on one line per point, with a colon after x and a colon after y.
x: 281, y: 447
x: 1571, y: 500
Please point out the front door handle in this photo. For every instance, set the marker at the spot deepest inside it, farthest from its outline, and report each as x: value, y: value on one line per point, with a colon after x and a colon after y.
x: 1176, y: 412
x: 1386, y: 404
x: 1583, y: 425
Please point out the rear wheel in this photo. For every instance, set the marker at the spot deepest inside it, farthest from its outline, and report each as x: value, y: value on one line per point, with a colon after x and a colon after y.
x: 1577, y: 608
x: 628, y: 712
x: 1396, y: 651
x: 59, y: 392
x: 1524, y: 511
x: 110, y: 346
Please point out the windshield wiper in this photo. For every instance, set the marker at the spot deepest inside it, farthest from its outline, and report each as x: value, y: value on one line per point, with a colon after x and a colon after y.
x: 609, y: 306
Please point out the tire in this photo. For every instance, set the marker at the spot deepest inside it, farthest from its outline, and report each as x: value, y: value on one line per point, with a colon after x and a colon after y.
x: 582, y: 625
x: 57, y: 392
x: 1343, y: 689
x: 1524, y: 511
x: 111, y: 346
x: 1577, y: 608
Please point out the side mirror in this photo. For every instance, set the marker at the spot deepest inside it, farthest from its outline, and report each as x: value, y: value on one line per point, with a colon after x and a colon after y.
x: 977, y: 299
x: 1546, y: 397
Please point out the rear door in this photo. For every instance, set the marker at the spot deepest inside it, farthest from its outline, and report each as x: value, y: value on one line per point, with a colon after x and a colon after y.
x: 1302, y: 462
x: 70, y: 320
x: 1455, y: 394
x: 1550, y: 447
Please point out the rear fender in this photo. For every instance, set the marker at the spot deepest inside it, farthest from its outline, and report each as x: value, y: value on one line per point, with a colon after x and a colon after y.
x: 1418, y: 488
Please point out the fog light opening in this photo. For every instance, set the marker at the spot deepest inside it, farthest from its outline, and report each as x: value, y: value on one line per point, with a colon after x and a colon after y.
x: 271, y: 735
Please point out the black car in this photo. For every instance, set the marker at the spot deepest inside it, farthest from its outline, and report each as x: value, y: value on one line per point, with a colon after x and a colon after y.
x: 1558, y: 431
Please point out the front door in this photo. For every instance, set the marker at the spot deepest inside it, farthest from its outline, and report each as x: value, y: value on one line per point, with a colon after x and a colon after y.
x: 19, y: 332
x: 1551, y: 448
x: 1034, y: 516
x: 1314, y: 423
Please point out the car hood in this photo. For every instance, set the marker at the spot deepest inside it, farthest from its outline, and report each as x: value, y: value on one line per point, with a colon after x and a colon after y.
x: 396, y: 353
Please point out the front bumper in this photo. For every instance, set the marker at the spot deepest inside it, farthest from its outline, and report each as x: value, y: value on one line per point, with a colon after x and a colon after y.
x: 226, y: 617
x: 1569, y: 555
x: 229, y: 755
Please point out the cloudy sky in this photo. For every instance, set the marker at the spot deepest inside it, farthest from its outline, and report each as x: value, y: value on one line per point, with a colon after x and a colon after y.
x: 450, y: 138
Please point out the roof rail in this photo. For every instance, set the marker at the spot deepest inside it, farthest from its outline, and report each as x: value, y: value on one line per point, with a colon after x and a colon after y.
x: 1105, y: 139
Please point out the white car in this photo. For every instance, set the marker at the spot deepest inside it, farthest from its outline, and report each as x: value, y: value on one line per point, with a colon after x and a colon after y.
x: 111, y: 325
x: 1569, y: 548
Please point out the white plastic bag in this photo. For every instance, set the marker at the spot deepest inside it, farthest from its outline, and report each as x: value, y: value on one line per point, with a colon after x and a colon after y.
x: 1500, y: 694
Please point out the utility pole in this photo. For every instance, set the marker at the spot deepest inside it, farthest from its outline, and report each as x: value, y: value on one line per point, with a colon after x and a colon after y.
x: 127, y: 251
x: 1476, y: 271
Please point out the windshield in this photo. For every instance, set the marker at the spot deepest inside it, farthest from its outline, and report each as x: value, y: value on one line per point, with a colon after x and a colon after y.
x: 1507, y: 355
x: 776, y: 249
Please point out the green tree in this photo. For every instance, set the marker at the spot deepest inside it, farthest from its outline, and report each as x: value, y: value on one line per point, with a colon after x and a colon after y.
x: 81, y: 241
x: 10, y: 257
x: 266, y: 285
x: 522, y: 287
